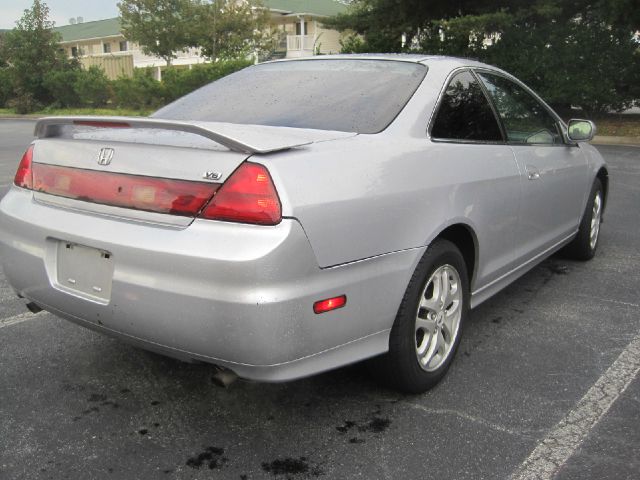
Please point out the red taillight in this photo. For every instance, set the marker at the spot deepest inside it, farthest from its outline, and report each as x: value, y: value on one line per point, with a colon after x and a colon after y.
x: 248, y: 196
x: 329, y: 304
x: 177, y: 197
x: 98, y: 124
x: 24, y: 175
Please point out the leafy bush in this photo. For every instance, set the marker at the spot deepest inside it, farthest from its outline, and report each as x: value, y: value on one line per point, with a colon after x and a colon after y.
x: 92, y: 87
x: 141, y: 90
x: 71, y: 86
x: 6, y: 86
x: 24, y: 102
x: 351, y: 43
x: 180, y: 81
x: 61, y: 85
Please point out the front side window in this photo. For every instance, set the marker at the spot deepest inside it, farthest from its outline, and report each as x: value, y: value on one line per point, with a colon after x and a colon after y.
x: 464, y: 113
x: 106, y: 48
x: 525, y: 119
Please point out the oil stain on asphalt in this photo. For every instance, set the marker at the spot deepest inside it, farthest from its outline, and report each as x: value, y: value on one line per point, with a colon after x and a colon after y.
x: 211, y: 457
x: 375, y: 424
x: 291, y: 466
x: 93, y: 399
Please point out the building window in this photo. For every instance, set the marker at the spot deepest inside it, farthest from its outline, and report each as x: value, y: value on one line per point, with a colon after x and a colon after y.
x: 106, y: 48
x: 74, y: 51
x: 123, y: 46
x: 299, y: 30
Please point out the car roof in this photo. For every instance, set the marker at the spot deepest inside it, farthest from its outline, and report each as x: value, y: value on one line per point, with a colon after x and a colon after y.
x: 443, y: 61
x: 403, y: 57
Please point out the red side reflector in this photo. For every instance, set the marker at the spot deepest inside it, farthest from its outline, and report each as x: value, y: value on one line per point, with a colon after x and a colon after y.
x: 90, y: 123
x: 329, y: 304
x: 177, y: 197
x: 24, y: 175
x: 248, y: 196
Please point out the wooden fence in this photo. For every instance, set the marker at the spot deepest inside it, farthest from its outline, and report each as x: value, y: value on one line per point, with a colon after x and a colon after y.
x: 114, y: 66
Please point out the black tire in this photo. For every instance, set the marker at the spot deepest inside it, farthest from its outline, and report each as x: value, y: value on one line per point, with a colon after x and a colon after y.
x: 581, y: 247
x: 400, y: 368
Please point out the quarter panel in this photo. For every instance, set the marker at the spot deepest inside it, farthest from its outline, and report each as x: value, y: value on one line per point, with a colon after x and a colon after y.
x: 371, y: 195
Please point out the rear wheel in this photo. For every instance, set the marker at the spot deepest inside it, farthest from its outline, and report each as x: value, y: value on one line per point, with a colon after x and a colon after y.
x: 427, y: 329
x: 584, y: 245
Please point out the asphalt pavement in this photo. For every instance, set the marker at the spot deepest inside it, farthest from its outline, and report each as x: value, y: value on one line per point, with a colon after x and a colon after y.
x: 548, y: 365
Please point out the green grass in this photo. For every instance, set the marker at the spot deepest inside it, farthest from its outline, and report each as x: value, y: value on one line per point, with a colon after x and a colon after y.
x: 618, y: 125
x: 9, y: 112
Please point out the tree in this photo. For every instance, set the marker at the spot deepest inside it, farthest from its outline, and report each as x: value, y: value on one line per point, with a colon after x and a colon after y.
x: 384, y: 23
x: 407, y: 16
x: 571, y: 63
x: 564, y: 49
x: 231, y: 29
x: 31, y: 50
x: 3, y: 61
x: 161, y: 27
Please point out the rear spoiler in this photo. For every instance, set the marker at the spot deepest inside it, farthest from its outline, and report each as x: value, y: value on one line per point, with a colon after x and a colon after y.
x: 239, y: 138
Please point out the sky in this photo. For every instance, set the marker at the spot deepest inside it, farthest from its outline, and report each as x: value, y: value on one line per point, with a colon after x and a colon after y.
x: 60, y: 11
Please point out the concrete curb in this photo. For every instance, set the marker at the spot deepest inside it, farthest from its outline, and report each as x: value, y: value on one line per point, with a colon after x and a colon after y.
x: 610, y: 140
x: 20, y: 117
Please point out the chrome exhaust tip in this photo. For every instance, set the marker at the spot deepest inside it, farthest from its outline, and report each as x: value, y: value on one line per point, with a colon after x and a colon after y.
x: 223, y: 377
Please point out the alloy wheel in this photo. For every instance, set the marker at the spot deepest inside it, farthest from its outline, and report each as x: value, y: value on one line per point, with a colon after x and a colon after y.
x: 438, y: 317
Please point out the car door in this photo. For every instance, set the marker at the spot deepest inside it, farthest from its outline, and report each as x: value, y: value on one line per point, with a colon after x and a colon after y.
x: 487, y: 188
x: 553, y: 173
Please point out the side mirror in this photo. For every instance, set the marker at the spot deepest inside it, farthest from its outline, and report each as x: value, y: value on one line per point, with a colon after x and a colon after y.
x: 581, y: 130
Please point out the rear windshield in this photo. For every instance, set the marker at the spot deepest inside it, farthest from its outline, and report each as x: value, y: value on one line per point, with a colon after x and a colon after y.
x: 362, y: 96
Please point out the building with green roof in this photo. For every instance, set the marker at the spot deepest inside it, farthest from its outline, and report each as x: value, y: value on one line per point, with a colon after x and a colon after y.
x: 299, y: 22
x: 317, y: 8
x: 89, y: 30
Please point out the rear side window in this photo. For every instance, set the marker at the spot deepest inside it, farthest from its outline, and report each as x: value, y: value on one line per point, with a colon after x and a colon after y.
x: 464, y: 113
x: 525, y: 119
x: 362, y: 96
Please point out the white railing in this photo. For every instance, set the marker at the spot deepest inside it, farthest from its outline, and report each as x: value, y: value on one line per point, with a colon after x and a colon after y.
x: 140, y: 59
x: 300, y: 42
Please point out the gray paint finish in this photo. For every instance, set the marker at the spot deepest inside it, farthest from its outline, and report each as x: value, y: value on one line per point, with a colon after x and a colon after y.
x: 358, y: 213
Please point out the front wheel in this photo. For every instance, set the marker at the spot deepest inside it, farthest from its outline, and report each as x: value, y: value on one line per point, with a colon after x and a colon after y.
x: 585, y: 243
x: 428, y: 326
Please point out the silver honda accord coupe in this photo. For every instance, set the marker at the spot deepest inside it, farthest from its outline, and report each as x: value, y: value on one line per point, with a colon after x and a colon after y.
x: 298, y: 216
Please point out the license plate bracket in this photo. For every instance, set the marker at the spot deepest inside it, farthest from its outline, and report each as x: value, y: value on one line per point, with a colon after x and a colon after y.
x: 84, y: 271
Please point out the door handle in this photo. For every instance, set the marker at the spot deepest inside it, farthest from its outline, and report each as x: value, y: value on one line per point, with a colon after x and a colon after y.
x: 533, y: 173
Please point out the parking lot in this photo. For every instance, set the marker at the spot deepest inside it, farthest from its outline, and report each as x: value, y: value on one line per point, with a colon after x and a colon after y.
x: 551, y: 360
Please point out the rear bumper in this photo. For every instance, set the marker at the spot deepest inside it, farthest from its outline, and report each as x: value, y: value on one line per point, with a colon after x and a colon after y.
x: 239, y: 296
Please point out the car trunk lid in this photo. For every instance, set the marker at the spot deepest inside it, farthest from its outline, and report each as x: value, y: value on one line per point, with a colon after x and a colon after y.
x: 147, y: 169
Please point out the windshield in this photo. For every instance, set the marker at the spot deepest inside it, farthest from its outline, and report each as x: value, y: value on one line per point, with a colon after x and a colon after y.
x: 362, y: 96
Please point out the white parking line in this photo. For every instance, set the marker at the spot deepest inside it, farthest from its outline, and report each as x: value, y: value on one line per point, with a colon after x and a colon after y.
x: 23, y: 317
x: 563, y: 441
x: 464, y: 416
x: 608, y: 300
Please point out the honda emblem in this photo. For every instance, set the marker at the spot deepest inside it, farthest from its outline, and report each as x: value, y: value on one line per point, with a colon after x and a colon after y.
x: 105, y: 156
